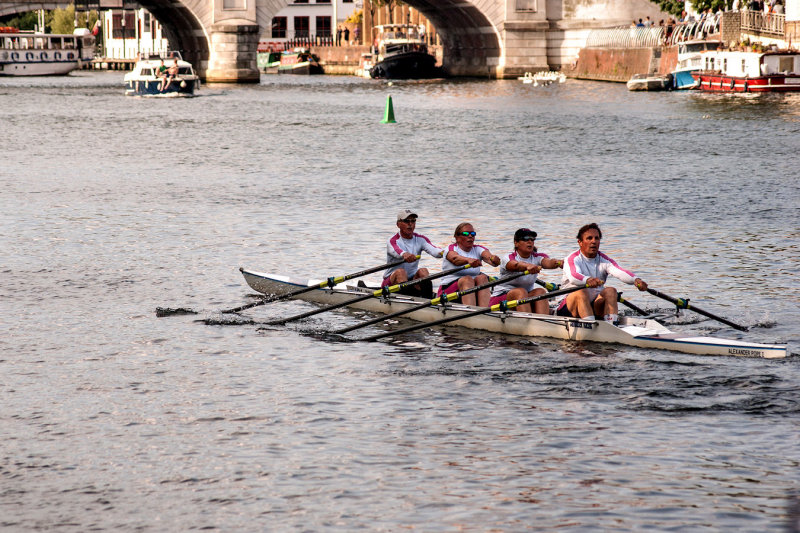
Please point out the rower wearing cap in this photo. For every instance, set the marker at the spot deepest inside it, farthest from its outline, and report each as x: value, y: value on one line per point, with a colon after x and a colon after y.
x: 587, y: 266
x: 524, y: 257
x: 465, y: 251
x: 407, y: 245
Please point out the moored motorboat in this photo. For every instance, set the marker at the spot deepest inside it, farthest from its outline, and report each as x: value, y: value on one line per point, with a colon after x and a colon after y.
x: 632, y: 331
x: 299, y: 61
x: 402, y: 54
x: 143, y: 80
x: 649, y: 82
x: 735, y: 71
x: 689, y: 61
x: 43, y: 54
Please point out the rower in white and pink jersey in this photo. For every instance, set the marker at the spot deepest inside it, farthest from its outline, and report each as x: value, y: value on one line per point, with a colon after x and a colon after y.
x: 587, y: 266
x: 462, y: 252
x: 524, y: 257
x: 407, y: 245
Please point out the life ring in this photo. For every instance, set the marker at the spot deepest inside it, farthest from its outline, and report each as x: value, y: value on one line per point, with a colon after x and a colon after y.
x: 28, y: 56
x: 57, y: 56
x: 44, y: 56
x: 69, y: 55
x: 14, y: 56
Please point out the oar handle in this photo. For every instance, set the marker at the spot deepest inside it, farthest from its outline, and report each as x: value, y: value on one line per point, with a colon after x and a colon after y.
x: 547, y: 285
x: 684, y: 304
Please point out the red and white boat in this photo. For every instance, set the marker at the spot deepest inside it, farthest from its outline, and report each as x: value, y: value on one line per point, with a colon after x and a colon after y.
x: 731, y: 71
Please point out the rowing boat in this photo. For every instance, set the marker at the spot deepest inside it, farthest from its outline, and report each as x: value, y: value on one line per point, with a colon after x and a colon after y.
x: 632, y: 331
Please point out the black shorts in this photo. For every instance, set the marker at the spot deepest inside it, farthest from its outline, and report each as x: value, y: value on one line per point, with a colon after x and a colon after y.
x: 563, y: 311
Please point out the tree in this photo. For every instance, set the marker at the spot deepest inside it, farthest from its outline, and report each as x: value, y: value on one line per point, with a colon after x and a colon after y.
x: 388, y: 4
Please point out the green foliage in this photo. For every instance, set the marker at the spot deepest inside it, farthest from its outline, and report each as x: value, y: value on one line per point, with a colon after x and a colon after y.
x: 715, y: 5
x: 63, y: 20
x: 356, y: 17
x: 23, y: 21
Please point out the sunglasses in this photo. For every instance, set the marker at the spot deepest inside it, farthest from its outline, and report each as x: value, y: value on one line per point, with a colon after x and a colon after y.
x: 528, y: 238
x: 468, y: 233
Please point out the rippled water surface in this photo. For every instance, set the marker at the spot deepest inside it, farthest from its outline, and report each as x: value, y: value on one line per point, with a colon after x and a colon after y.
x: 116, y: 420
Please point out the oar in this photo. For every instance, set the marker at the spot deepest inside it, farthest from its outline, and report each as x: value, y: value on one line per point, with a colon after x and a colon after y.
x: 682, y: 303
x: 330, y: 282
x: 502, y: 306
x: 436, y: 301
x: 625, y: 302
x: 385, y: 291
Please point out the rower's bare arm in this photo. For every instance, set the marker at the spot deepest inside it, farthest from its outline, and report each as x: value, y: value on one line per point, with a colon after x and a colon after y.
x: 550, y: 263
x: 490, y: 258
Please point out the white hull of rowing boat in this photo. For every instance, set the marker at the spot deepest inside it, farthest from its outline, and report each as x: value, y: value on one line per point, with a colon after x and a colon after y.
x: 643, y: 333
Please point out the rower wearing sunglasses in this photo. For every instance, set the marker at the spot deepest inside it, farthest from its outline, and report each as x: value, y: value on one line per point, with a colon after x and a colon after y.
x: 407, y: 245
x: 524, y: 257
x: 465, y: 251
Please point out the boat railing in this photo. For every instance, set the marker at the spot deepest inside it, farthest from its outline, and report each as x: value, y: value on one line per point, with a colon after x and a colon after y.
x: 763, y: 23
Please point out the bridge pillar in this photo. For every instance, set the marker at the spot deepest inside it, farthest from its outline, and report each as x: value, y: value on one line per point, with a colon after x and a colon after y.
x: 526, y: 48
x: 232, y: 53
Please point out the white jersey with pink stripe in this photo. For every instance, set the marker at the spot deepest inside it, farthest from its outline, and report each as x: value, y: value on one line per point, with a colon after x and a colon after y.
x: 578, y: 268
x: 474, y: 253
x: 527, y: 282
x: 397, y: 245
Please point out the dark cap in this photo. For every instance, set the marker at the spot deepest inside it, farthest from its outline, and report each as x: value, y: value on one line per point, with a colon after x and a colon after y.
x: 523, y: 232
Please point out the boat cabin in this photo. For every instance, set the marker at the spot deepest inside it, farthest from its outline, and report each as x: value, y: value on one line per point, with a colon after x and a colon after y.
x: 398, y: 39
x: 689, y: 53
x: 751, y: 64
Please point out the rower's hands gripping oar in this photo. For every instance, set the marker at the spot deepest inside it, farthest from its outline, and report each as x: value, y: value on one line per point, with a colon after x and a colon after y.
x: 682, y: 303
x: 385, y: 292
x: 502, y: 306
x: 330, y: 282
x: 435, y: 301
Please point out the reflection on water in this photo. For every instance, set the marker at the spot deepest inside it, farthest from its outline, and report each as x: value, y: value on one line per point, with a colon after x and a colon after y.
x: 113, y: 206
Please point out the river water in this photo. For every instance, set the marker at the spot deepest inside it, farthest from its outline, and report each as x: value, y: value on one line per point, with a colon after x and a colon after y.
x: 116, y: 420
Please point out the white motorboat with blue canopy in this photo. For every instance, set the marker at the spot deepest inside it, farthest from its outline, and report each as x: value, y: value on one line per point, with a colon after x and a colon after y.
x: 641, y: 332
x: 144, y: 79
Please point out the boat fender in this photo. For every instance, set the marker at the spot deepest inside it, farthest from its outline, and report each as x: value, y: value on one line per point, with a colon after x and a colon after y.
x: 733, y: 84
x: 57, y: 56
x: 745, y: 86
x: 29, y: 56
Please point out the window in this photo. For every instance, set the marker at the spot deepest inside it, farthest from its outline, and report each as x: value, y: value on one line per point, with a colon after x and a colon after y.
x: 300, y: 1
x: 323, y: 1
x: 526, y: 5
x: 323, y: 26
x: 233, y: 4
x: 279, y: 25
x: 301, y: 27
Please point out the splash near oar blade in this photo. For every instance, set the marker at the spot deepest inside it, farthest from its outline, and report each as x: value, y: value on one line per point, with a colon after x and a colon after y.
x: 682, y: 303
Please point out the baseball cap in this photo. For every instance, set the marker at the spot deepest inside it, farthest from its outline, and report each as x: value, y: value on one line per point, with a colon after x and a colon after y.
x: 524, y: 232
x: 405, y: 213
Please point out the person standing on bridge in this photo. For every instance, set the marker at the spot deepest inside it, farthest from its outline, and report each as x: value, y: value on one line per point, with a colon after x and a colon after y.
x: 588, y: 267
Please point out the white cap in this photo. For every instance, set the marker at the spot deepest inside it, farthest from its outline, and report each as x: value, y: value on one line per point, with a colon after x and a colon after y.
x: 405, y: 213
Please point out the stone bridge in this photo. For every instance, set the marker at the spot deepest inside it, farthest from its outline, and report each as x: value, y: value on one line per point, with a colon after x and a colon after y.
x: 486, y: 38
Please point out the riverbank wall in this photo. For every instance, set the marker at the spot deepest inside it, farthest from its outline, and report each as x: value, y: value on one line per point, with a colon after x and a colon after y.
x: 620, y: 64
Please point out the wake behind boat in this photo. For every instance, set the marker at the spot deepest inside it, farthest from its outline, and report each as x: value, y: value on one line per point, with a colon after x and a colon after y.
x: 632, y: 331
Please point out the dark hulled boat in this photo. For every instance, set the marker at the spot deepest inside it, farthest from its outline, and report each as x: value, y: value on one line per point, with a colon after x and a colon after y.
x: 402, y: 54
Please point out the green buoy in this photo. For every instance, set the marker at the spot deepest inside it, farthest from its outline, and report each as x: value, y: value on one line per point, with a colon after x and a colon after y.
x: 388, y: 115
